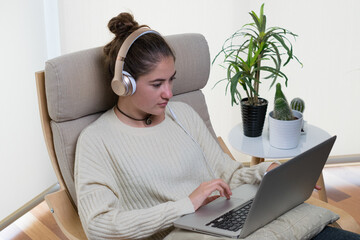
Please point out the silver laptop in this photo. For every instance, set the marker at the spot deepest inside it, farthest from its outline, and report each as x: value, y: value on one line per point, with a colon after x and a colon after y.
x: 252, y: 207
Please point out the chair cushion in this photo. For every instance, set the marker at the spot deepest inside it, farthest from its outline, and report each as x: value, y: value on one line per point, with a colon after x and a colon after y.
x: 192, y: 62
x: 65, y: 135
x: 303, y: 222
x: 78, y: 91
x: 78, y: 84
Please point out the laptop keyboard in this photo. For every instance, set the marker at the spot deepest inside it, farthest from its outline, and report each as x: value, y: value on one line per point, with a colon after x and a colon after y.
x: 232, y: 220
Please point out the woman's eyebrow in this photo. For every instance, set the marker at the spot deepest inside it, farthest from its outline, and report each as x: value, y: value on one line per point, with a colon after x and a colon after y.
x: 162, y: 79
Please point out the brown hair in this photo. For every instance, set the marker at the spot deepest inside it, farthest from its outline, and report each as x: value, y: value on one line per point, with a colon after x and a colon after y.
x: 145, y: 52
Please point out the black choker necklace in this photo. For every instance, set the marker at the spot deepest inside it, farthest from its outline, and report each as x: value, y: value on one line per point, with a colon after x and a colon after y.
x: 147, y: 120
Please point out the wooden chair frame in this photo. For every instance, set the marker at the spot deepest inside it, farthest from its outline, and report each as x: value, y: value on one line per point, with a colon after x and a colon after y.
x: 60, y: 203
x: 64, y: 210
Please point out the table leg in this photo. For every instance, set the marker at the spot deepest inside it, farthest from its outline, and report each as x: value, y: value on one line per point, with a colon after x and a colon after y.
x: 256, y: 160
x: 322, y: 192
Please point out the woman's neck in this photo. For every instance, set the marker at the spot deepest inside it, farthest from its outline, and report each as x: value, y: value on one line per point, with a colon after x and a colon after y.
x: 126, y: 116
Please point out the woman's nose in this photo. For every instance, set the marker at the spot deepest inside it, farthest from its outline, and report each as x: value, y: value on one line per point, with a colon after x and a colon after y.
x: 167, y: 92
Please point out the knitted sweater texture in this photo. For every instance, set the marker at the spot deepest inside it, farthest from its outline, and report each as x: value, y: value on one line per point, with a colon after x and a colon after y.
x: 134, y: 182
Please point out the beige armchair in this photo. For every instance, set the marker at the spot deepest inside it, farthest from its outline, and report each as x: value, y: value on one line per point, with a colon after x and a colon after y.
x: 74, y: 90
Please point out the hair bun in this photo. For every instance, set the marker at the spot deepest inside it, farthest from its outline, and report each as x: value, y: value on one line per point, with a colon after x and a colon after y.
x: 122, y: 24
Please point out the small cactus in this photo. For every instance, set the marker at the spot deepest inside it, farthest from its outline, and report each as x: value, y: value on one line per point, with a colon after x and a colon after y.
x: 279, y: 93
x: 282, y: 110
x: 298, y: 104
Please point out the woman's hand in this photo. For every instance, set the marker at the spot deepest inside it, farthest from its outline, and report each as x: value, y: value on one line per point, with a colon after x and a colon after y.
x: 272, y: 166
x: 200, y: 196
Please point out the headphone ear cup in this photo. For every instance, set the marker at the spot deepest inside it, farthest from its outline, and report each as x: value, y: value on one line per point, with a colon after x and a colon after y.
x: 118, y: 87
x: 129, y: 82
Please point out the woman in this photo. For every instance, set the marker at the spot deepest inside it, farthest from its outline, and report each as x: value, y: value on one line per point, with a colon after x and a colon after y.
x: 136, y: 169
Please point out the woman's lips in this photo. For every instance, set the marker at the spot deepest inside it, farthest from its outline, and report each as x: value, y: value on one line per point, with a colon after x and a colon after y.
x: 163, y: 104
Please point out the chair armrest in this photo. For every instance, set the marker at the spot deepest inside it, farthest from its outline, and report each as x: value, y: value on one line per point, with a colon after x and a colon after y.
x: 224, y: 147
x: 346, y: 221
x: 65, y: 215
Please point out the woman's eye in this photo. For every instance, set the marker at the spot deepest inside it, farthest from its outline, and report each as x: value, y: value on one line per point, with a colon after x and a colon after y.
x: 157, y: 85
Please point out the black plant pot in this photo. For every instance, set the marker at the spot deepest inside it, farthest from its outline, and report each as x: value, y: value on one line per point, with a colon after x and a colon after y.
x: 253, y: 117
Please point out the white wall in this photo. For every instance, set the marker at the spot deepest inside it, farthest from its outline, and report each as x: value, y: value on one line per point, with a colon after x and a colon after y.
x: 327, y: 46
x: 25, y: 169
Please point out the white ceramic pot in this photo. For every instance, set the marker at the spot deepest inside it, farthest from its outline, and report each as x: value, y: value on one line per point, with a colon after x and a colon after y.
x: 285, y: 134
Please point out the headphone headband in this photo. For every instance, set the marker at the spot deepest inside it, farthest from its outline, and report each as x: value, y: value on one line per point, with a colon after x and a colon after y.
x: 119, y: 84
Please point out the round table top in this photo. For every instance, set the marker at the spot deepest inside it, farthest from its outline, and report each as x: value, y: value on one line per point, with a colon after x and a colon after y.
x: 260, y: 146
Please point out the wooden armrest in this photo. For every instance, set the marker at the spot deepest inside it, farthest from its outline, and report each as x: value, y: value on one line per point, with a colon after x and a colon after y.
x: 65, y: 215
x: 225, y: 148
x: 346, y: 221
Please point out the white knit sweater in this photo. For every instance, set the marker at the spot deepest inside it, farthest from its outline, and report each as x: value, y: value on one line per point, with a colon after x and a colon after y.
x: 135, y: 182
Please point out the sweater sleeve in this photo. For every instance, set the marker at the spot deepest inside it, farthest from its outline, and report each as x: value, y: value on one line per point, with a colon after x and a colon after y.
x: 101, y: 207
x: 223, y: 166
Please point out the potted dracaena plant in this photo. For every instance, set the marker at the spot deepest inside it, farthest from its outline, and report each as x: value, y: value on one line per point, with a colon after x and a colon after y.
x: 249, y: 52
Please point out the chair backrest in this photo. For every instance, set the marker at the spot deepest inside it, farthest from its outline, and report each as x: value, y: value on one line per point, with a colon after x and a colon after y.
x: 77, y: 89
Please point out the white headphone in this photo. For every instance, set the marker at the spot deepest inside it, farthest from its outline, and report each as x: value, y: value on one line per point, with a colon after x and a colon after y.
x: 123, y: 84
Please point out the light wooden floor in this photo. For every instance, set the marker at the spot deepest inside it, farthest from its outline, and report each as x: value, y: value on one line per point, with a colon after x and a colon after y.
x: 37, y: 224
x: 342, y: 186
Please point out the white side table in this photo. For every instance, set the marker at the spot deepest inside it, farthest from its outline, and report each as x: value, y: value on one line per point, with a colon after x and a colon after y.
x: 259, y: 147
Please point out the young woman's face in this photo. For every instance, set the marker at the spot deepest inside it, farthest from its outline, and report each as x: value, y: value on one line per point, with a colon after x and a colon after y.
x: 154, y: 90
